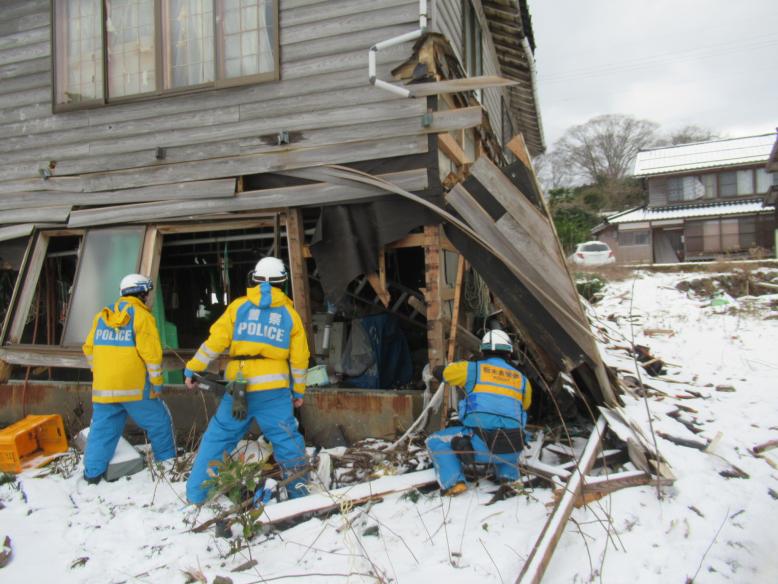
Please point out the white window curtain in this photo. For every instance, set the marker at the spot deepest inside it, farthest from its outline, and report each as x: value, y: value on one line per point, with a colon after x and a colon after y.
x: 693, y: 188
x: 131, y: 47
x: 745, y: 182
x: 248, y: 37
x: 763, y: 181
x: 79, y: 51
x: 189, y: 44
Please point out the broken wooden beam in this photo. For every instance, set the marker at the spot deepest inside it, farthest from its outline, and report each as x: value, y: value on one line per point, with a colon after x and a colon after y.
x: 538, y: 560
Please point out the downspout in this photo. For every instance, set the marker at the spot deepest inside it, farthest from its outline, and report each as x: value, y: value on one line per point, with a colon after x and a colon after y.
x: 403, y: 38
x: 533, y: 77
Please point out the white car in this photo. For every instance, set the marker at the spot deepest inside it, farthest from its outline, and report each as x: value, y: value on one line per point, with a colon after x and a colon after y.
x: 592, y: 253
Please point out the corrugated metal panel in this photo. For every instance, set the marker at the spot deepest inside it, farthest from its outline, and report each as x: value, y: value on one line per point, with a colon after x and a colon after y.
x: 734, y: 208
x: 713, y: 154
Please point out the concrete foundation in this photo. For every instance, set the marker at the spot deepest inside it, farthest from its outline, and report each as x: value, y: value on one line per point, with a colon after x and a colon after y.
x: 329, y: 416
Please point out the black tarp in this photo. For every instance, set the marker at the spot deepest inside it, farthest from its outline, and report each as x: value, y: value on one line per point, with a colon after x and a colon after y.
x: 348, y: 238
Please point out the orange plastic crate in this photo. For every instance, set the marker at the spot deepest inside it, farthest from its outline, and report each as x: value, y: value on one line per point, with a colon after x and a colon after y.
x: 27, y: 442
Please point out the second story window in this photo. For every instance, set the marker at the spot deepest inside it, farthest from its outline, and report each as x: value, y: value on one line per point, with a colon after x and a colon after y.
x: 111, y: 50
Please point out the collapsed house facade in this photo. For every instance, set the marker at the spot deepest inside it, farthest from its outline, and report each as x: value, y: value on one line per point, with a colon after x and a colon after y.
x: 370, y: 144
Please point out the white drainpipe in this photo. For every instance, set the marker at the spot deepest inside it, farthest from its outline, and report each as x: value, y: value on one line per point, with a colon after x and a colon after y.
x: 403, y: 38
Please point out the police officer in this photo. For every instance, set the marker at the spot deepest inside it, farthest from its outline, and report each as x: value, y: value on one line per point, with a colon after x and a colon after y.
x: 268, y: 350
x: 493, y: 414
x: 125, y: 354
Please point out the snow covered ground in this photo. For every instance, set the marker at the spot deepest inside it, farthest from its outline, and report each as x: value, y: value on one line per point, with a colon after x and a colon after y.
x: 706, y: 526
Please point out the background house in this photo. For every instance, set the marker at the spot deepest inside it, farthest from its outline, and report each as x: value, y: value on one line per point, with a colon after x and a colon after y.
x: 705, y: 200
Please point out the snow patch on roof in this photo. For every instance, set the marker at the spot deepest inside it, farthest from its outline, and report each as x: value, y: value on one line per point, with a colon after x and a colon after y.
x: 689, y: 212
x: 712, y: 154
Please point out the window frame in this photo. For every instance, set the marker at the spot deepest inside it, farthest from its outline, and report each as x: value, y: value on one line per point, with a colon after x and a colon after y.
x: 161, y: 61
x: 632, y: 241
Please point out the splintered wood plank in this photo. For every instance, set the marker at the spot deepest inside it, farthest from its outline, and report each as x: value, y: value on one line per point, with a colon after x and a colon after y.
x: 301, y: 293
x: 36, y: 214
x: 210, y: 189
x: 355, y: 495
x: 260, y: 200
x: 538, y: 560
x: 16, y: 231
x: 457, y: 85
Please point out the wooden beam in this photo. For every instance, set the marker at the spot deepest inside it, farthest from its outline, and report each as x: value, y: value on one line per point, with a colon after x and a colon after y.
x: 451, y: 148
x: 452, y: 335
x: 36, y: 214
x: 457, y: 85
x: 206, y: 189
x: 380, y: 289
x: 32, y: 271
x: 16, y: 231
x: 538, y: 560
x: 73, y: 358
x: 261, y: 200
x: 295, y: 237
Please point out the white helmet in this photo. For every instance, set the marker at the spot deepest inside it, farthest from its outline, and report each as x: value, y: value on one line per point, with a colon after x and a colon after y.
x: 269, y: 269
x: 496, y: 340
x: 135, y: 283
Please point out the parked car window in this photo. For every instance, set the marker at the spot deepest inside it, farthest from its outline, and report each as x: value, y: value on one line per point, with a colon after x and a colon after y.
x: 594, y: 247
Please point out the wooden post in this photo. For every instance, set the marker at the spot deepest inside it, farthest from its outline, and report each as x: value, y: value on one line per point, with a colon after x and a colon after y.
x: 452, y: 335
x: 435, y: 335
x: 436, y: 342
x: 5, y: 371
x: 295, y: 237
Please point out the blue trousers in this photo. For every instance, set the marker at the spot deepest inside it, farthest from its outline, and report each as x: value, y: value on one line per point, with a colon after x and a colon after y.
x: 448, y: 465
x: 272, y: 409
x: 108, y: 424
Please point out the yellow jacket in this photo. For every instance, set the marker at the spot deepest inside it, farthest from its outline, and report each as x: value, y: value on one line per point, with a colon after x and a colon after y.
x: 265, y: 325
x: 124, y: 352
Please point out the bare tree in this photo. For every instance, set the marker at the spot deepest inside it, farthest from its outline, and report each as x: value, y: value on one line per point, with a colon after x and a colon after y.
x: 604, y: 148
x: 688, y: 134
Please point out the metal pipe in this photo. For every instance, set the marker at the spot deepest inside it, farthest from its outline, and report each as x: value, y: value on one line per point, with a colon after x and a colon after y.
x: 408, y: 36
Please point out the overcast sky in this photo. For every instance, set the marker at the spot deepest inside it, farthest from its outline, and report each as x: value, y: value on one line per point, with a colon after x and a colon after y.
x: 713, y: 63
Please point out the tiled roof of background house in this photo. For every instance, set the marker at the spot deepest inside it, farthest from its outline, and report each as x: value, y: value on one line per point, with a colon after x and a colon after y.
x: 690, y: 211
x: 712, y: 154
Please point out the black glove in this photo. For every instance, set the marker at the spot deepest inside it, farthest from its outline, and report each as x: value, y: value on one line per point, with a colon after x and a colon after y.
x: 437, y: 372
x: 239, y: 406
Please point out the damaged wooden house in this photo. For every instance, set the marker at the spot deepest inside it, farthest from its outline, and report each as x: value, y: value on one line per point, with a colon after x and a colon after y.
x: 381, y: 148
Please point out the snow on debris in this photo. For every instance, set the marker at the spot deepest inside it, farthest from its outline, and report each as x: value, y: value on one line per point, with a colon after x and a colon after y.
x: 712, y: 525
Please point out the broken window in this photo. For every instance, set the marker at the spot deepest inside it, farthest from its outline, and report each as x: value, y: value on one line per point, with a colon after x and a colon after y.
x: 11, y: 255
x: 50, y: 288
x: 107, y: 256
x: 200, y: 273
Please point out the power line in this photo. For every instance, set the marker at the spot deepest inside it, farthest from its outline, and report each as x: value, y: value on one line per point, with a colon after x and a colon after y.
x: 700, y: 53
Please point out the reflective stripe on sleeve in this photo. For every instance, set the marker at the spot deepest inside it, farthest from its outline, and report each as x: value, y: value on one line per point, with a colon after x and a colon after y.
x: 299, y: 375
x: 207, y: 352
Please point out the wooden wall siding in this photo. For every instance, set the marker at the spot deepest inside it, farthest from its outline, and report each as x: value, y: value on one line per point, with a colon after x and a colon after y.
x: 323, y: 99
x: 309, y: 194
x: 447, y: 20
x: 189, y: 191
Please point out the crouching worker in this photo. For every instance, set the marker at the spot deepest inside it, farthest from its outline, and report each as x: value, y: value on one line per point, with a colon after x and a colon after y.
x: 125, y: 354
x: 268, y: 352
x: 493, y: 415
